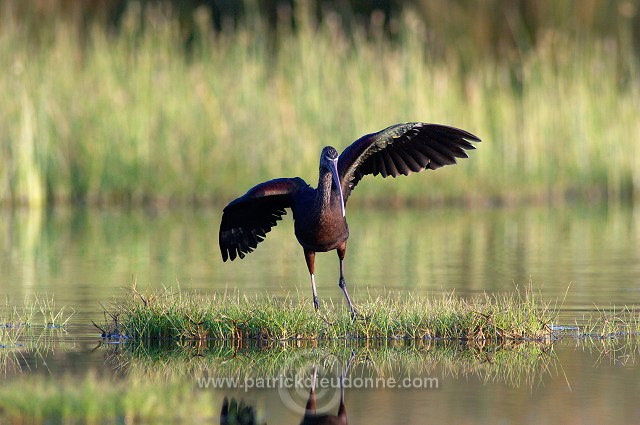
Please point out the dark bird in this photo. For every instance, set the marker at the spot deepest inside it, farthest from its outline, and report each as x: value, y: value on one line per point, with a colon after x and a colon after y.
x: 311, y: 417
x: 319, y: 214
x: 234, y: 413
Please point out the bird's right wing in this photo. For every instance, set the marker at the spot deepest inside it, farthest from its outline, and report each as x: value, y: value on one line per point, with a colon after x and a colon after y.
x: 246, y: 220
x: 402, y: 149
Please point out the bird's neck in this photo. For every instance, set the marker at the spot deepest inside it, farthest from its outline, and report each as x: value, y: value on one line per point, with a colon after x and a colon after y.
x: 323, y: 195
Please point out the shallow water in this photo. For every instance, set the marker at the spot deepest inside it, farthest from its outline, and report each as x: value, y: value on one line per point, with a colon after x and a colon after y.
x: 582, y: 386
x: 573, y: 381
x: 584, y: 257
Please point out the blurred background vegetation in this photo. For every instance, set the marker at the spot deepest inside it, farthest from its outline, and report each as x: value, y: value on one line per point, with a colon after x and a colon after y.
x: 192, y: 102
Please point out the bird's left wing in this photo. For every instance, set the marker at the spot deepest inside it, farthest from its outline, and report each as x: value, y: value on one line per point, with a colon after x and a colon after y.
x: 246, y: 220
x: 402, y: 149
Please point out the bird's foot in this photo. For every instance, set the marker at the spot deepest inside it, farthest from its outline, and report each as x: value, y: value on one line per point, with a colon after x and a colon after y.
x: 316, y: 306
x: 355, y: 314
x: 324, y: 318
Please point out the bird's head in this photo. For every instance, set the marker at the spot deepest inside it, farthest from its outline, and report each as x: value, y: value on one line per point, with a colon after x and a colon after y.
x: 329, y: 161
x: 329, y: 154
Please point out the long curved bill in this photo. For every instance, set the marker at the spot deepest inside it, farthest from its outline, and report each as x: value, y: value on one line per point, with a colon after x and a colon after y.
x: 336, y: 179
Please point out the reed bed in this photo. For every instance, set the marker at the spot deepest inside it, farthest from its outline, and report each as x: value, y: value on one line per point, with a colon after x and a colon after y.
x: 178, y: 315
x: 131, y: 118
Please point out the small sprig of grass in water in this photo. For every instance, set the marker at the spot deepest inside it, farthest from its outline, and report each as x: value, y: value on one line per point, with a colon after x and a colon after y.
x: 36, y: 313
x: 27, y: 329
x: 175, y: 314
x: 610, y: 323
x: 53, y: 317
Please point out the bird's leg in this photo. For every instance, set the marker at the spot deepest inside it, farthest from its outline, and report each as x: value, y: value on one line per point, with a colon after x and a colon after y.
x: 310, y: 408
x: 342, y: 249
x: 342, y: 411
x: 310, y: 256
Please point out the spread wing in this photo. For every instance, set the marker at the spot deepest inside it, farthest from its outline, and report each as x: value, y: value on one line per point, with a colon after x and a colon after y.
x: 246, y: 220
x: 402, y: 149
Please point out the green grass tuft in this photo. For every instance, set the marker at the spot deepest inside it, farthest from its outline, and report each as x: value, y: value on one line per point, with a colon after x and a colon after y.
x: 192, y: 316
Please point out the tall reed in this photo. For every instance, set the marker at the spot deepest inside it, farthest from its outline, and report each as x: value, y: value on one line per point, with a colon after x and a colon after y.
x: 132, y: 117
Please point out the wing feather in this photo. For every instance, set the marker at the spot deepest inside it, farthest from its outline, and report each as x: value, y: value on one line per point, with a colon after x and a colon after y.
x: 437, y: 155
x: 247, y: 220
x: 382, y: 168
x: 419, y: 157
x: 407, y: 156
x: 388, y: 162
x: 401, y: 166
x: 402, y: 149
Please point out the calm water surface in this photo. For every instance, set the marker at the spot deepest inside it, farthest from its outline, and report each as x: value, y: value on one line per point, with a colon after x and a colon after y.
x: 590, y: 253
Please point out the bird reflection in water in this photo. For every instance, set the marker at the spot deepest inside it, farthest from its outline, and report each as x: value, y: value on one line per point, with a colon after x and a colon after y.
x: 234, y: 413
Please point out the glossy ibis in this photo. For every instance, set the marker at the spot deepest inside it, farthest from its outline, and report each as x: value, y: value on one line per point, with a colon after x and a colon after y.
x: 234, y: 413
x: 319, y: 214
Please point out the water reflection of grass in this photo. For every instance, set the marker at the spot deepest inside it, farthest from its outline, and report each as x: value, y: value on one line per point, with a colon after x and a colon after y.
x: 169, y: 314
x: 513, y: 363
x: 36, y: 345
x: 160, y: 383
